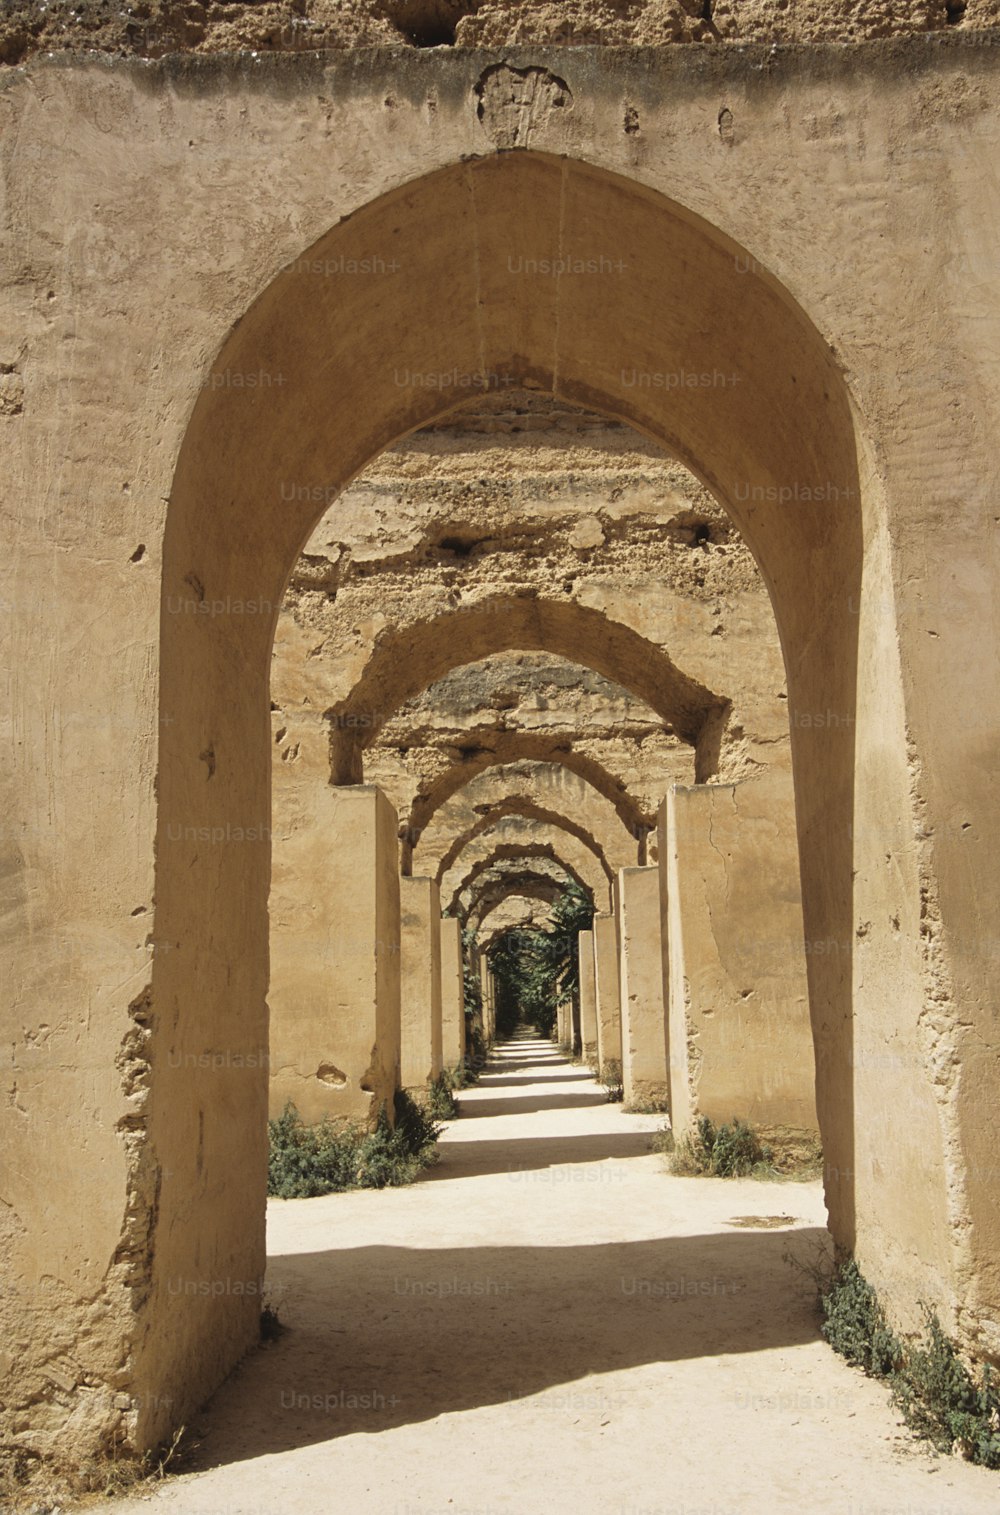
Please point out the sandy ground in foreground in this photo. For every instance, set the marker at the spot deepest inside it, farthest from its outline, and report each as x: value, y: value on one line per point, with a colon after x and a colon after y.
x: 548, y: 1322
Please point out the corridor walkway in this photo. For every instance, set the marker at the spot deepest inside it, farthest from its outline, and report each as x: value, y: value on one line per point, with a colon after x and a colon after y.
x: 550, y: 1324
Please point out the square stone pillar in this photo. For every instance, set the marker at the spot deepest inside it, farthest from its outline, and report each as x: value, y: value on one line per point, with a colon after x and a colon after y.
x: 588, y: 999
x: 735, y: 965
x: 452, y: 994
x: 489, y: 1001
x: 644, y: 1022
x: 334, y: 990
x: 607, y: 990
x: 420, y: 982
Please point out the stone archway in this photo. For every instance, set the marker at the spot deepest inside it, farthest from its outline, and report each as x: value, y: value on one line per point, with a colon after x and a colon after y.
x: 508, y: 749
x: 525, y: 809
x: 522, y: 860
x: 405, y: 662
x: 777, y: 446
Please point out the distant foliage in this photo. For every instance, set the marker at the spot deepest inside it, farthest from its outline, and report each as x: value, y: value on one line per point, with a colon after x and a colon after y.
x: 536, y: 970
x: 304, y: 1161
x: 472, y: 987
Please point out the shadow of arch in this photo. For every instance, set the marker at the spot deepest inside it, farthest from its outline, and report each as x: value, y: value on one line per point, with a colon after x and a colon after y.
x: 257, y: 468
x: 404, y: 662
x: 508, y: 749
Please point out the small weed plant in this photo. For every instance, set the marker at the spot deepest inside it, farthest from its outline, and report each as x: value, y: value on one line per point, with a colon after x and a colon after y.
x: 940, y: 1398
x: 440, y: 1101
x: 328, y: 1158
x: 31, y: 1484
x: 728, y: 1151
x: 611, y: 1078
x: 462, y: 1076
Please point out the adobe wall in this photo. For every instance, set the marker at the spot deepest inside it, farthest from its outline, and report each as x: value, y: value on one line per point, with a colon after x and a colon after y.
x: 146, y: 207
x: 735, y: 970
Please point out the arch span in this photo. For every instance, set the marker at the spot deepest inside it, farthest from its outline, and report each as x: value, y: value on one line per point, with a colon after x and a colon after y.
x: 551, y: 788
x: 530, y: 886
x: 406, y: 661
x: 516, y: 912
x: 361, y: 362
x: 515, y: 860
x: 505, y: 749
x: 524, y: 809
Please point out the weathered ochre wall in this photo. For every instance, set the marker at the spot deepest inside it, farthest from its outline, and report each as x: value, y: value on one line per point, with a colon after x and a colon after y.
x: 452, y: 994
x: 735, y: 969
x: 840, y: 209
x: 645, y: 1056
x: 588, y: 997
x: 420, y: 982
x: 607, y: 990
x: 335, y: 956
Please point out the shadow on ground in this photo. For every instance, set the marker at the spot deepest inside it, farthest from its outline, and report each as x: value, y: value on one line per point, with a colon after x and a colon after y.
x: 469, y: 1159
x: 385, y: 1336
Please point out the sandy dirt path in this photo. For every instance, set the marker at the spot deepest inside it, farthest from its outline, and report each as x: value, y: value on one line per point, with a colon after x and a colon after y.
x: 548, y: 1322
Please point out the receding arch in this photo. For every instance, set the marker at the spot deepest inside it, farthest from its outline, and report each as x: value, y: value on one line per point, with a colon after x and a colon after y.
x: 550, y: 787
x: 496, y: 891
x: 517, y: 805
x: 403, y: 662
x: 360, y: 362
x: 514, y: 859
x: 522, y: 908
x: 515, y: 912
x: 518, y: 840
x: 508, y: 749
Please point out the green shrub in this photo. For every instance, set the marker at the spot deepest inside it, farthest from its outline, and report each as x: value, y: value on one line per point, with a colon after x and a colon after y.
x: 855, y: 1326
x: 611, y: 1078
x: 938, y: 1396
x: 416, y: 1127
x: 304, y: 1161
x: 736, y: 1151
x: 440, y: 1102
x: 461, y: 1076
x: 942, y: 1402
x: 730, y: 1151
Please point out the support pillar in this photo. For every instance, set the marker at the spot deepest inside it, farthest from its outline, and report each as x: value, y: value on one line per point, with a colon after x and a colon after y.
x: 420, y: 982
x: 452, y: 994
x: 588, y: 999
x: 334, y: 991
x: 735, y: 960
x: 644, y: 1023
x: 488, y: 987
x: 608, y: 996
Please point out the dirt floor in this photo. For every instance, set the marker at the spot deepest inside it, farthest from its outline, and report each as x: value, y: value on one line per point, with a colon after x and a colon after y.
x: 548, y: 1322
